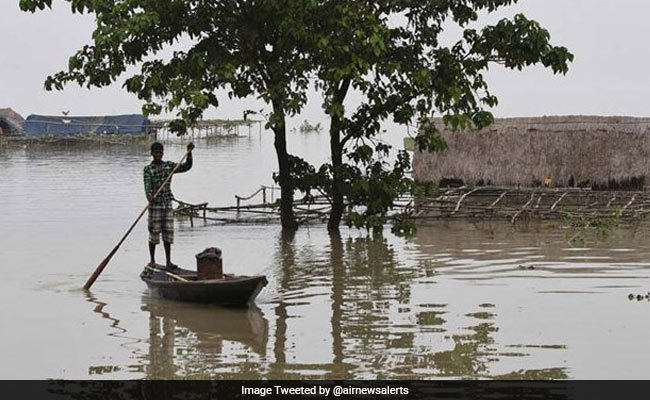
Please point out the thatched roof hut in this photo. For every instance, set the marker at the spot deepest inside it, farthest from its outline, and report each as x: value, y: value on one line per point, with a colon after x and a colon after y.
x: 595, y: 151
x: 11, y: 123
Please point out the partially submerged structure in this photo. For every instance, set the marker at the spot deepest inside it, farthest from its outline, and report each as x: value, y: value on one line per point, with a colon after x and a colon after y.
x: 546, y: 167
x: 11, y: 123
x: 565, y: 151
x: 208, y: 128
x: 40, y: 125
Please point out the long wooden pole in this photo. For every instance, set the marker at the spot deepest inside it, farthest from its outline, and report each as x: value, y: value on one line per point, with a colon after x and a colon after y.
x: 105, y: 261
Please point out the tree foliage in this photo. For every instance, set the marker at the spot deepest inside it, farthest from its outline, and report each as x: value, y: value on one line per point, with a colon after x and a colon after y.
x: 392, y: 54
x: 244, y: 47
x: 388, y: 51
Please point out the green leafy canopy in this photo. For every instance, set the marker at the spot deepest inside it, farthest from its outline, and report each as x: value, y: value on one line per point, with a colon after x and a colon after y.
x: 389, y: 51
x: 245, y: 47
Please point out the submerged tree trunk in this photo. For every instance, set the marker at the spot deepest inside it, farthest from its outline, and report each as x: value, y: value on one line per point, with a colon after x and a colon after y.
x: 336, y: 212
x: 287, y: 218
x: 336, y: 148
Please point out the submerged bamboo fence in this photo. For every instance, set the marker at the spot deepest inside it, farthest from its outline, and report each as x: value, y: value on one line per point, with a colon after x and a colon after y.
x: 538, y: 203
x: 207, y: 129
x: 480, y: 202
x: 268, y: 211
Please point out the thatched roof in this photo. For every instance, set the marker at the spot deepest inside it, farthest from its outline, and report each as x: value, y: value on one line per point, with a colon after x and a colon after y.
x: 11, y: 114
x: 518, y: 151
x: 11, y: 123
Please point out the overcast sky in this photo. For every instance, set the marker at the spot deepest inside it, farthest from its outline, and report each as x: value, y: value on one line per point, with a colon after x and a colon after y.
x: 610, y: 74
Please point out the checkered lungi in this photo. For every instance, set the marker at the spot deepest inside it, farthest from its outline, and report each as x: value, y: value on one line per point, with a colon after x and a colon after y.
x: 161, y: 219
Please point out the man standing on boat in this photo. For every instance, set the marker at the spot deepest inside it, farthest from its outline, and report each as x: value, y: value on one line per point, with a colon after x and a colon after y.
x: 161, y: 213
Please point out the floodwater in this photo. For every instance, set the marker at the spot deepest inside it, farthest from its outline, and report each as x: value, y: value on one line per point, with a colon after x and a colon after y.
x: 458, y: 300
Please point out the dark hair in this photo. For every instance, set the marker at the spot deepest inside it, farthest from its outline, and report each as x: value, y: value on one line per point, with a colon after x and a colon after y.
x: 156, y: 146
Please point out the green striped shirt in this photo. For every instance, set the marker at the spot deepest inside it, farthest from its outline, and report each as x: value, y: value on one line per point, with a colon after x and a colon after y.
x: 155, y: 175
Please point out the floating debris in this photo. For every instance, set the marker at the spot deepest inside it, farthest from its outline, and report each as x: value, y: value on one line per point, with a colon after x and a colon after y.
x: 525, y: 267
x: 639, y: 297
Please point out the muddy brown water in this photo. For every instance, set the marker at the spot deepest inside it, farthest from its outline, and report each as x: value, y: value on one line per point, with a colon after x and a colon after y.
x: 458, y: 300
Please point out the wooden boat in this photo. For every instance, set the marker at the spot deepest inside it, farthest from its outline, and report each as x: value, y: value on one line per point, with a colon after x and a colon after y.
x: 183, y: 285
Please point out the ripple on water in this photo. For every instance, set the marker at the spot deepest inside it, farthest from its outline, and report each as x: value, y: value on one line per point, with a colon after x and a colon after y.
x: 453, y: 301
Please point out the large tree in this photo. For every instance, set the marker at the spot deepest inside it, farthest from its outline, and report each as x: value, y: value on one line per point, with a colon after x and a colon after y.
x: 245, y: 47
x: 391, y: 53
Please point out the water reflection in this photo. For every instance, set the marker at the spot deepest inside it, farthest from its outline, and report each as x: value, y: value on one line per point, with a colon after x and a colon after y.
x: 189, y: 340
x: 340, y: 368
x: 353, y: 307
x: 99, y: 309
x: 287, y: 262
x: 355, y: 280
x: 116, y: 331
x: 457, y: 300
x: 382, y: 324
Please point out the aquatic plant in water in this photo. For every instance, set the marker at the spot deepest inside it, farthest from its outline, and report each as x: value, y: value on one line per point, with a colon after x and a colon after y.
x: 580, y: 225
